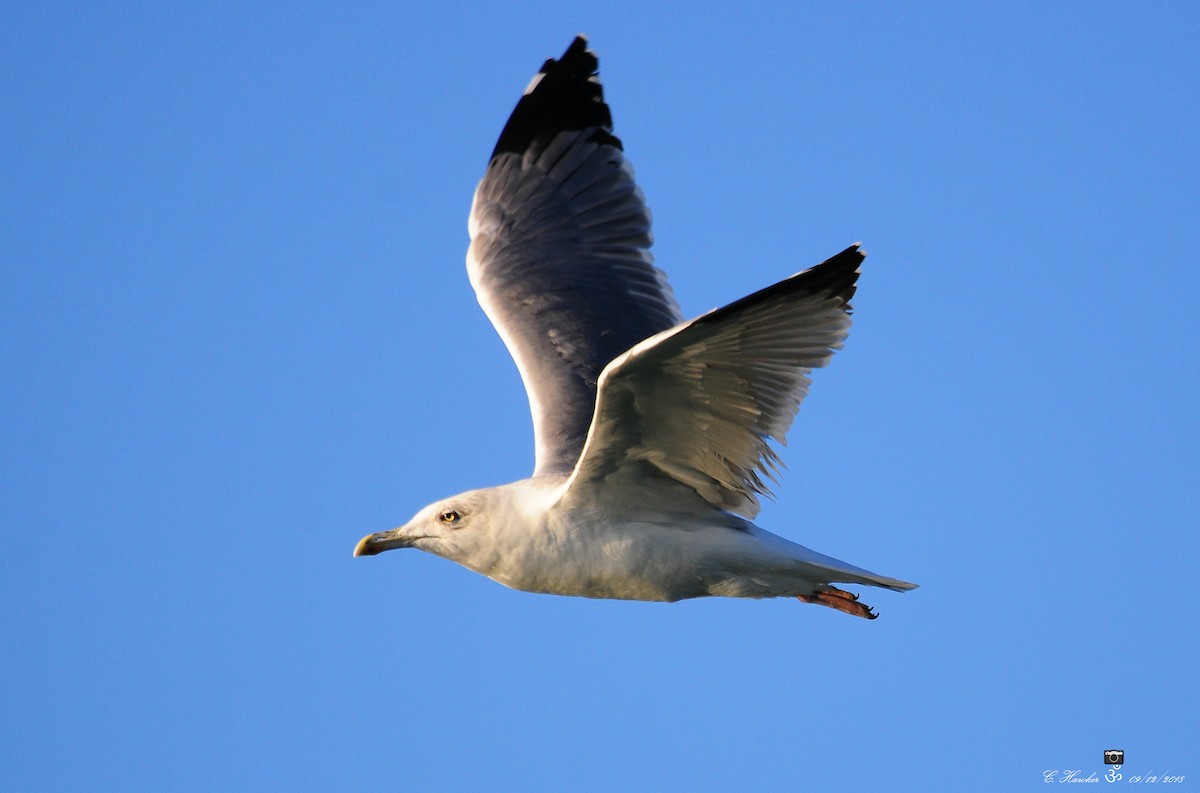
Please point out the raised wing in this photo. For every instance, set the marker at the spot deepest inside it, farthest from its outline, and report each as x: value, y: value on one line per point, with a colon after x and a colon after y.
x: 698, y: 403
x: 559, y: 254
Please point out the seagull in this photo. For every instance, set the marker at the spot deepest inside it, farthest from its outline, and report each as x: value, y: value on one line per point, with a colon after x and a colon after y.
x: 652, y: 433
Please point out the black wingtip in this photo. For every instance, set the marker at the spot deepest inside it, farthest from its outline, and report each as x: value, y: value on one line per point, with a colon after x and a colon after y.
x: 564, y: 95
x: 837, y: 275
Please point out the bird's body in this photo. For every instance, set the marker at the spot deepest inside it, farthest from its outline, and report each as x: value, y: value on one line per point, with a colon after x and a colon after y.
x: 662, y: 544
x: 651, y: 433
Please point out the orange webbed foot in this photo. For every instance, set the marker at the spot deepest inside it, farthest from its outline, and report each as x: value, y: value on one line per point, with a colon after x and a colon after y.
x: 845, y: 602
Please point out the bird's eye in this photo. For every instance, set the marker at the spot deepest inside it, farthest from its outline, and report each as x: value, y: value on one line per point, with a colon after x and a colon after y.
x: 450, y: 517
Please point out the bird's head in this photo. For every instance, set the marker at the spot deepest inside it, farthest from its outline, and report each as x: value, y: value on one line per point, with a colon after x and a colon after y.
x: 456, y: 528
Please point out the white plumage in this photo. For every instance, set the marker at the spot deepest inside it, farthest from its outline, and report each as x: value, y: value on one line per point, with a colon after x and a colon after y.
x: 652, y: 435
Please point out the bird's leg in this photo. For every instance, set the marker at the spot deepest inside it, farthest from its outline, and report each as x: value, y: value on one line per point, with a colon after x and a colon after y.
x: 843, y: 601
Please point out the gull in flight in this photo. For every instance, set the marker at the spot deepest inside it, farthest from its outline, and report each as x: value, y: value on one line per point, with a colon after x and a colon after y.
x: 651, y: 432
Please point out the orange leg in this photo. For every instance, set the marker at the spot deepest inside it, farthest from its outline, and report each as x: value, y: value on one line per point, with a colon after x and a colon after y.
x: 838, y: 599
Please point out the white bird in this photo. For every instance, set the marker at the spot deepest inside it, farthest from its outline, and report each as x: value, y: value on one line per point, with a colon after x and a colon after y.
x: 651, y: 433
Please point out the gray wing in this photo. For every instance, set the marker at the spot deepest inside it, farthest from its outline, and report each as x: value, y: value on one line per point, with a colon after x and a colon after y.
x: 698, y: 403
x: 559, y: 254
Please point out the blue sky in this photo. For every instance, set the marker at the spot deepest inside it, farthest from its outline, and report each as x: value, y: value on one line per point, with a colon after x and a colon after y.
x: 237, y: 335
